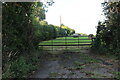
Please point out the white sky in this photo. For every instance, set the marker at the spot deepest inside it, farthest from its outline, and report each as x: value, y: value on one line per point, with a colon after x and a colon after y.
x: 80, y: 15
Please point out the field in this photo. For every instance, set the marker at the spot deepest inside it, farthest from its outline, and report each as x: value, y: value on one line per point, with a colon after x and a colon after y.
x: 67, y: 40
x: 61, y: 43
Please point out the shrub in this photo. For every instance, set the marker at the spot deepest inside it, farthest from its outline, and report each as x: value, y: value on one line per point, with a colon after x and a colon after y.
x: 18, y: 69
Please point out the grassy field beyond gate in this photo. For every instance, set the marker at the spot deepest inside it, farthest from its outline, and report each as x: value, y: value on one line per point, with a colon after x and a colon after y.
x: 66, y: 43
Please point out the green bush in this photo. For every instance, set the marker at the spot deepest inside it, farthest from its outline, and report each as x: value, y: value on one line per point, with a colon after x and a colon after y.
x: 117, y: 75
x: 108, y: 31
x: 19, y: 69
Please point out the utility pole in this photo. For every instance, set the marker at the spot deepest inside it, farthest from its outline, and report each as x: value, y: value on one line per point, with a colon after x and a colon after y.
x: 60, y: 26
x: 60, y: 21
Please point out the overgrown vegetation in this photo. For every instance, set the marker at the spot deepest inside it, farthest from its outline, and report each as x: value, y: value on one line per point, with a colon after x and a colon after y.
x: 24, y: 65
x: 23, y: 27
x: 107, y: 37
x: 108, y: 32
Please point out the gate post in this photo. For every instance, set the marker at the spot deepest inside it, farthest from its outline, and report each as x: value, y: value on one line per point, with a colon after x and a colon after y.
x: 66, y: 42
x: 78, y: 41
x: 52, y: 45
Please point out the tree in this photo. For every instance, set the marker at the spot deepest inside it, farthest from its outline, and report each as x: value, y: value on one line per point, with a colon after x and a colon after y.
x: 108, y: 31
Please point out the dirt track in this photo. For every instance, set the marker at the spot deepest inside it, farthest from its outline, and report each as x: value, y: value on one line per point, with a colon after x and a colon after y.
x: 82, y: 64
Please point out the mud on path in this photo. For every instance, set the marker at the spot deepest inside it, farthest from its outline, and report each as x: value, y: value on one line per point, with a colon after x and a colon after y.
x: 82, y: 64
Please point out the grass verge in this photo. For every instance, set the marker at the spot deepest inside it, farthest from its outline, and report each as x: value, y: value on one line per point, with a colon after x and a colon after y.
x: 24, y: 65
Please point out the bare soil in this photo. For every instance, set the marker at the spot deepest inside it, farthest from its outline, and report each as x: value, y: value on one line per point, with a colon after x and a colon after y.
x: 83, y: 64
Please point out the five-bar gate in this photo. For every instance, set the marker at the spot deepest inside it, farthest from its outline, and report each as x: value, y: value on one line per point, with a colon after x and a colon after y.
x: 66, y: 43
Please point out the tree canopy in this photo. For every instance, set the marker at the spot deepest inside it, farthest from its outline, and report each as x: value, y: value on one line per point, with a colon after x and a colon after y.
x: 108, y: 31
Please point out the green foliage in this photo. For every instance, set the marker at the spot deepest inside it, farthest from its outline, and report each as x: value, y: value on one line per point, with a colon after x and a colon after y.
x: 21, y: 67
x: 107, y: 37
x: 117, y: 75
x: 18, y: 36
x: 18, y: 69
x: 23, y: 27
x: 17, y: 31
x: 45, y: 31
x: 54, y: 74
x: 83, y: 34
x: 78, y: 63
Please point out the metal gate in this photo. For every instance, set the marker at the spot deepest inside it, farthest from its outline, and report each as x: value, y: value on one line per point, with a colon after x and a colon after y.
x: 68, y: 43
